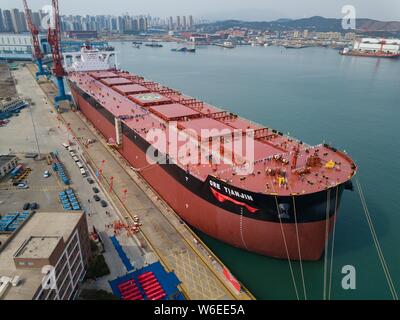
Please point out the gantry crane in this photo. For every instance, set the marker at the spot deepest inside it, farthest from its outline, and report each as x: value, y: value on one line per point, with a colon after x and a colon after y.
x: 54, y: 39
x: 37, y: 52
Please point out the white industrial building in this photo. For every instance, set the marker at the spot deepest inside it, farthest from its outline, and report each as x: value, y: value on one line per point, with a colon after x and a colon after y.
x: 376, y: 44
x: 16, y: 46
x: 15, y: 42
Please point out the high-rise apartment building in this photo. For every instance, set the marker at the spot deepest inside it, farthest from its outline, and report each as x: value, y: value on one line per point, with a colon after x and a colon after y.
x: 1, y: 22
x: 16, y: 21
x: 8, y: 25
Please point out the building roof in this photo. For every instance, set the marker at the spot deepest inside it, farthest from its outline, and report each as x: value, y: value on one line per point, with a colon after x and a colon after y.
x: 48, y: 225
x: 38, y: 247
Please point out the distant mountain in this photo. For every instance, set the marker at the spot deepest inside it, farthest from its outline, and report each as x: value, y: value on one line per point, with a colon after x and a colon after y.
x: 315, y: 23
x: 283, y: 20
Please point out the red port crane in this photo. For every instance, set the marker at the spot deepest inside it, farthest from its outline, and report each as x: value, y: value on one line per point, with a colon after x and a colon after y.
x: 54, y: 39
x: 382, y: 43
x: 37, y: 52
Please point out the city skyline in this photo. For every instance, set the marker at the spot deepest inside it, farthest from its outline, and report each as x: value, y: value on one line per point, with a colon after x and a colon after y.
x: 14, y: 21
x: 223, y: 9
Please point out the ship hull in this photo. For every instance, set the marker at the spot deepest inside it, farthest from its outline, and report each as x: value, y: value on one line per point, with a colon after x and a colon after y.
x: 265, y: 234
x: 370, y: 55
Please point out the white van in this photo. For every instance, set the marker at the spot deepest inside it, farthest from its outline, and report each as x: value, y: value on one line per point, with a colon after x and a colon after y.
x: 72, y: 154
x: 76, y: 159
x: 79, y: 165
x: 65, y: 145
x: 83, y: 172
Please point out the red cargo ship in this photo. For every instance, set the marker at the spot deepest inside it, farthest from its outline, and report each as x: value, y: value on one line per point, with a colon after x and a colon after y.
x: 377, y: 54
x: 283, y: 206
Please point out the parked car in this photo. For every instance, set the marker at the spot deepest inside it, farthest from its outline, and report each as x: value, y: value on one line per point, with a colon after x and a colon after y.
x: 22, y: 186
x: 34, y: 206
x: 83, y: 172
x: 26, y: 206
x: 95, y: 190
x: 46, y: 174
x: 90, y: 180
x: 96, y: 198
x: 103, y: 203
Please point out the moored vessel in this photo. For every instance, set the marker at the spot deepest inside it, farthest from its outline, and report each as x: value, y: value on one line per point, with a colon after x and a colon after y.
x: 249, y: 186
x: 372, y: 47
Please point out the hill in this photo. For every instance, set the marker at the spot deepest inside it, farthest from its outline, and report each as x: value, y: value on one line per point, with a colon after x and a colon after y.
x: 315, y: 23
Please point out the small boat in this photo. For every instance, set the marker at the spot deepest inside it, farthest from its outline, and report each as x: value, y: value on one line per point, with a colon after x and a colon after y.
x: 295, y: 46
x: 154, y: 45
x: 137, y: 42
x: 184, y: 49
x: 226, y: 44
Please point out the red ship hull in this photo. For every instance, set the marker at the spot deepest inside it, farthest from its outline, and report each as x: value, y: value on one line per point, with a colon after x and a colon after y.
x: 371, y: 55
x: 263, y: 237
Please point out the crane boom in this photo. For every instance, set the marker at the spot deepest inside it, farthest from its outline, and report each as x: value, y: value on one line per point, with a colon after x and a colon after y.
x: 36, y: 50
x: 37, y: 53
x: 54, y: 39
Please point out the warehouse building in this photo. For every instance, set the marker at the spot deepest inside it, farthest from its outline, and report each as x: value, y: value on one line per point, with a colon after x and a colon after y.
x: 19, y: 46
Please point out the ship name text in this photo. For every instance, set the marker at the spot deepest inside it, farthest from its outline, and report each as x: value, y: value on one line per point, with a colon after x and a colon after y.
x: 231, y: 192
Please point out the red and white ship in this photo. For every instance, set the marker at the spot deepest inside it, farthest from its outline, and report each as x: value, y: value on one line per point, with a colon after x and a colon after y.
x: 372, y: 47
x: 284, y: 207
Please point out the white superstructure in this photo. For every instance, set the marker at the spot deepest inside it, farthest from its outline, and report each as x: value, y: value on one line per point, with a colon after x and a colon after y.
x: 376, y: 44
x: 89, y: 59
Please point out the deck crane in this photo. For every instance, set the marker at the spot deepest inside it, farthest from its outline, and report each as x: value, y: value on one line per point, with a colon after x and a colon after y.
x: 54, y: 39
x: 382, y: 43
x: 37, y: 52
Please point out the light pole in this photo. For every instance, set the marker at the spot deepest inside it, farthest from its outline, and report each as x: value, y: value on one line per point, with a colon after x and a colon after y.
x: 34, y: 130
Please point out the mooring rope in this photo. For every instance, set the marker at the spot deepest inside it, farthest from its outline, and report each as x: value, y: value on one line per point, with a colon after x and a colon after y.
x: 376, y: 243
x: 299, y: 249
x: 328, y: 207
x: 287, y: 250
x: 333, y: 243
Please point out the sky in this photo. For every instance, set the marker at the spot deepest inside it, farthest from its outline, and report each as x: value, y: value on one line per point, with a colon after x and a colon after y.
x: 261, y: 10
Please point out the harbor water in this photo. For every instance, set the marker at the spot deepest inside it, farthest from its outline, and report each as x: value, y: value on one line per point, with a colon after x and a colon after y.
x: 318, y: 96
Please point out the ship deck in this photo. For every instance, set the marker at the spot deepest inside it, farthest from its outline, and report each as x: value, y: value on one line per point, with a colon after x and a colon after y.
x: 281, y: 165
